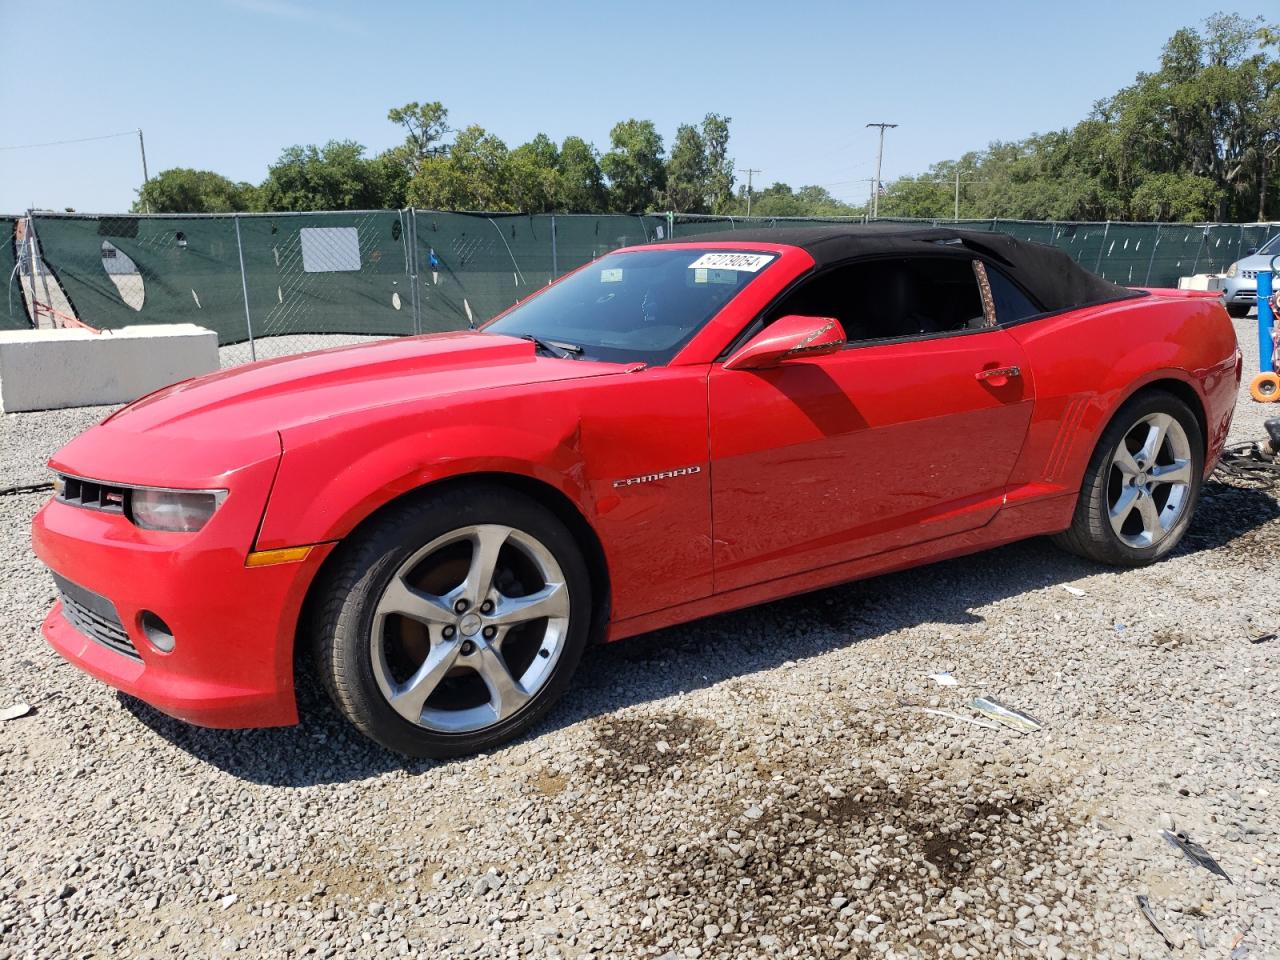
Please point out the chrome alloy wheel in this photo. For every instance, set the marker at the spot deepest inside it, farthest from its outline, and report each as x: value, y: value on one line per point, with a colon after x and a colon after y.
x: 470, y: 628
x: 1150, y: 480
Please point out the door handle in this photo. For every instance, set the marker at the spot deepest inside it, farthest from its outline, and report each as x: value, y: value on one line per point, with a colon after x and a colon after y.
x: 998, y: 374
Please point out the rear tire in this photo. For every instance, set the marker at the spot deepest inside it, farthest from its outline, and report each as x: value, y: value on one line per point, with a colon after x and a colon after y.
x: 453, y: 622
x: 1142, y: 484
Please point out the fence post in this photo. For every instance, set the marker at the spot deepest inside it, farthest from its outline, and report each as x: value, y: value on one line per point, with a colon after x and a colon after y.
x: 1151, y: 263
x: 244, y: 288
x: 1103, y: 248
x: 555, y: 258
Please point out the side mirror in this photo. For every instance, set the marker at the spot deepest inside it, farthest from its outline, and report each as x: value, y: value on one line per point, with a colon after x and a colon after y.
x: 1251, y: 251
x: 787, y: 338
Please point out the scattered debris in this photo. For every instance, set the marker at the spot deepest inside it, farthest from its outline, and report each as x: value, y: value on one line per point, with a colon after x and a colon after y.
x: 1144, y: 905
x: 15, y: 711
x: 1194, y: 852
x: 1238, y: 947
x: 1074, y: 591
x: 987, y: 724
x: 1022, y: 722
x: 1265, y: 638
x: 944, y: 679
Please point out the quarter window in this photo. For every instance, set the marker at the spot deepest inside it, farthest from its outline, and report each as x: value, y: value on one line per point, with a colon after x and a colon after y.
x: 1011, y: 303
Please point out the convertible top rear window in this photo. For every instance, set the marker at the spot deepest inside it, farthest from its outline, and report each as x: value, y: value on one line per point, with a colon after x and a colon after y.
x: 643, y: 305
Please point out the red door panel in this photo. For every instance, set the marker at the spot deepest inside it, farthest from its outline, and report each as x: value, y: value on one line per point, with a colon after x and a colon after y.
x: 876, y: 447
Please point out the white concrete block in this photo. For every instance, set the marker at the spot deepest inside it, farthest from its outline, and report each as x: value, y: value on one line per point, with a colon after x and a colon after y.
x: 1201, y: 281
x: 49, y: 369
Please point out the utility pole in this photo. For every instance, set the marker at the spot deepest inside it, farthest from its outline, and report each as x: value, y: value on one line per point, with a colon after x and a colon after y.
x: 875, y: 199
x: 749, y: 172
x: 957, y: 213
x: 142, y: 148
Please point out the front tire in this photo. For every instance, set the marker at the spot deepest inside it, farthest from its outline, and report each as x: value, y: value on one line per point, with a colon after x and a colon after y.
x: 453, y: 622
x: 1142, y: 484
x: 1239, y: 310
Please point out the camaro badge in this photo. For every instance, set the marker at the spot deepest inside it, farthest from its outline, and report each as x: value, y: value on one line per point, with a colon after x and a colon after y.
x: 664, y: 475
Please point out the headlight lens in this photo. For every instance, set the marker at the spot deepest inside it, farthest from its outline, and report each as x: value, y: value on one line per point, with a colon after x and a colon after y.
x: 181, y: 511
x: 1231, y: 270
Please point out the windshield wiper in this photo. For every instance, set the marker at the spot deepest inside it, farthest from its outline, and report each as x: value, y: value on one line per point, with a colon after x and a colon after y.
x: 556, y: 348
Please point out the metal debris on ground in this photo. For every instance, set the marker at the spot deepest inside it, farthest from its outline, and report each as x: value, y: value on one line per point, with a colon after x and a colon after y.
x: 1194, y: 852
x: 14, y: 711
x: 944, y: 679
x: 1009, y: 716
x: 1074, y: 591
x: 959, y: 716
x: 1144, y: 904
x: 1265, y: 638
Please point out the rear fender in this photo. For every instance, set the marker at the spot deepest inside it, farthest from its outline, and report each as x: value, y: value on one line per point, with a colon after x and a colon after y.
x: 1088, y: 363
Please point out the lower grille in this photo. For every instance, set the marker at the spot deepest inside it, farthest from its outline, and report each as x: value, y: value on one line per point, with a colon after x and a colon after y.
x: 94, y: 616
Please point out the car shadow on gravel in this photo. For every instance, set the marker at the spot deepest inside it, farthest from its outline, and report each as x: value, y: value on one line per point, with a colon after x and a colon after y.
x: 323, y: 748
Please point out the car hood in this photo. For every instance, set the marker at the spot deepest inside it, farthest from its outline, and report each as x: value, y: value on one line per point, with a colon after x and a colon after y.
x: 236, y: 416
x: 1258, y: 261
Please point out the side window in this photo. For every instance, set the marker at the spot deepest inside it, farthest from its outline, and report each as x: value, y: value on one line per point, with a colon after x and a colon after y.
x: 887, y: 299
x: 1010, y: 302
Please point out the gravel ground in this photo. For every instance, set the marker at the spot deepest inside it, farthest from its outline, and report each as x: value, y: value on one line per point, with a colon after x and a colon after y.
x: 757, y: 784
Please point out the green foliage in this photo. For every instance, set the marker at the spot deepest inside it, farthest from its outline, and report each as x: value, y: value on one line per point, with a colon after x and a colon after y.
x: 337, y: 176
x: 719, y: 187
x: 1197, y: 139
x: 581, y: 180
x: 636, y: 172
x: 426, y: 125
x: 779, y: 200
x: 687, y: 172
x: 183, y: 190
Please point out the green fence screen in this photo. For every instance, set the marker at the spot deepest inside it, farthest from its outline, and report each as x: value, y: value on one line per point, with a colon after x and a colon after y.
x: 254, y: 277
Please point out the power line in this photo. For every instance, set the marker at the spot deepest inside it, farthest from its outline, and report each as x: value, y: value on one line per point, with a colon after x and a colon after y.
x: 58, y: 143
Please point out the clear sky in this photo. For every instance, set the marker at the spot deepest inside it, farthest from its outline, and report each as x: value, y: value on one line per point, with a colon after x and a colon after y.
x: 226, y: 84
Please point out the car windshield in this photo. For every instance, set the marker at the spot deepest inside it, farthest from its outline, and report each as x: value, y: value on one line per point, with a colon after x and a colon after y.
x: 642, y: 305
x: 1272, y: 246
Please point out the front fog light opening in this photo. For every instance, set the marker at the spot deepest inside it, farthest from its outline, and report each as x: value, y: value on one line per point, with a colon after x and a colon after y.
x: 156, y: 631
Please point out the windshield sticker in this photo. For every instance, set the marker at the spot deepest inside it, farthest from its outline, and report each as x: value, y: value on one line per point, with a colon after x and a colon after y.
x: 747, y: 262
x: 611, y: 275
x: 703, y: 275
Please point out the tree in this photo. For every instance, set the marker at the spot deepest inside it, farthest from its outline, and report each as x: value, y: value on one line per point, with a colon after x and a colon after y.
x: 473, y: 175
x: 183, y: 190
x: 581, y: 182
x: 534, y: 176
x: 336, y: 176
x: 634, y: 166
x: 687, y: 172
x: 779, y: 200
x: 715, y: 137
x: 426, y: 125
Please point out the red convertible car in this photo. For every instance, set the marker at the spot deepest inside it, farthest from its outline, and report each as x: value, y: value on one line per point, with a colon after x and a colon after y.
x: 442, y: 523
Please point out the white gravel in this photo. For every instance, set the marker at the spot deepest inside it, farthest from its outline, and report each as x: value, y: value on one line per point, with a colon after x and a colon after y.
x: 746, y: 786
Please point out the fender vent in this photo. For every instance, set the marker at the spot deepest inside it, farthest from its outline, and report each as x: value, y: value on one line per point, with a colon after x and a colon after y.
x: 1060, y: 454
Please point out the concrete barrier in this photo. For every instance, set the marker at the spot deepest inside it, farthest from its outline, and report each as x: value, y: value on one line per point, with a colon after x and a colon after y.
x: 50, y: 369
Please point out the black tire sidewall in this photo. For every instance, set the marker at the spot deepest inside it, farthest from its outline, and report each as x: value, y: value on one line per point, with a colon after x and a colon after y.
x: 380, y: 551
x: 1154, y: 401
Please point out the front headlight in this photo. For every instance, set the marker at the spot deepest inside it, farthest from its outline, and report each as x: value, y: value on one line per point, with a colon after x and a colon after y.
x: 1231, y: 270
x: 180, y: 511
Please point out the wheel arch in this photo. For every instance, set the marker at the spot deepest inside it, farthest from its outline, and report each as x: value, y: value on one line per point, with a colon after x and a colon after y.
x: 543, y: 493
x: 1181, y: 389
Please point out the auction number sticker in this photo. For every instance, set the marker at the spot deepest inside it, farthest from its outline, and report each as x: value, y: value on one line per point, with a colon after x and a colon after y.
x: 746, y: 262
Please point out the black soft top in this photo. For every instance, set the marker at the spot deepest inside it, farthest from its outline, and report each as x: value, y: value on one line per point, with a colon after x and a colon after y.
x: 1047, y: 273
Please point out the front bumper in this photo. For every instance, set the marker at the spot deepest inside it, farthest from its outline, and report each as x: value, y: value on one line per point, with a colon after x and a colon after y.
x: 1240, y: 290
x: 232, y: 662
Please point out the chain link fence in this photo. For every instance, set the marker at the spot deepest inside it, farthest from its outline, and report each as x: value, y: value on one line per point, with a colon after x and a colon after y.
x: 279, y: 283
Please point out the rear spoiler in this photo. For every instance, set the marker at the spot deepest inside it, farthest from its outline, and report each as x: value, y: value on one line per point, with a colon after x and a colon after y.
x: 1186, y: 294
